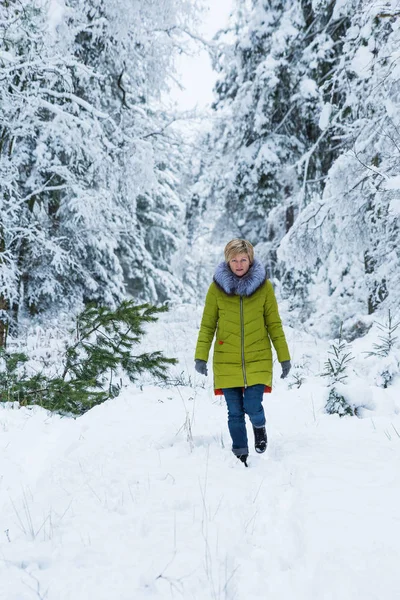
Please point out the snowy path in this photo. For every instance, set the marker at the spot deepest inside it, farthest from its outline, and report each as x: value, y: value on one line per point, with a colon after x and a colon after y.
x: 121, y: 505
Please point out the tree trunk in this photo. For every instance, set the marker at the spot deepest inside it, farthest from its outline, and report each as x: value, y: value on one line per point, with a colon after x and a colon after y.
x: 289, y: 218
x: 378, y: 290
x: 3, y: 302
x: 3, y: 321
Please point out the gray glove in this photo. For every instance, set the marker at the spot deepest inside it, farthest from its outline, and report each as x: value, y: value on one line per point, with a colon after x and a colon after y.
x: 286, y: 366
x: 201, y: 366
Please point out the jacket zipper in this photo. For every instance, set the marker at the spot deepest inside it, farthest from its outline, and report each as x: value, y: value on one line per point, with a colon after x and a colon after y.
x: 242, y: 340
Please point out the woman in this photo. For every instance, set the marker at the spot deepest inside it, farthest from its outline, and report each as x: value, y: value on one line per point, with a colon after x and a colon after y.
x: 241, y: 307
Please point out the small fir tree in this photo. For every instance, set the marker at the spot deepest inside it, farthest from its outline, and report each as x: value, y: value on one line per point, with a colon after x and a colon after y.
x: 91, y: 366
x: 338, y: 405
x: 387, y: 339
x: 338, y: 361
x: 336, y: 370
x: 389, y: 367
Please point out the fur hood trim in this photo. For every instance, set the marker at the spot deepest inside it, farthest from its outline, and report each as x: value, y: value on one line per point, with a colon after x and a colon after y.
x: 233, y: 285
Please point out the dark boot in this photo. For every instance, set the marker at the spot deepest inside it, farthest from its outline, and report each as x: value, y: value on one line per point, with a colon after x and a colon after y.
x: 243, y: 458
x: 260, y: 439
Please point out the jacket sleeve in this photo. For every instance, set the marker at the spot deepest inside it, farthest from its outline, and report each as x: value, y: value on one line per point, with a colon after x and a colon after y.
x: 208, y: 325
x: 273, y: 324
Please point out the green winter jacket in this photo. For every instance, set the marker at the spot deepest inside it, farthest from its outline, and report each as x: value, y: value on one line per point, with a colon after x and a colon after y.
x: 243, y: 313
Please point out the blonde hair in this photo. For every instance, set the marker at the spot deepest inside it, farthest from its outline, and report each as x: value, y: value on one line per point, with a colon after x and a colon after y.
x: 237, y: 246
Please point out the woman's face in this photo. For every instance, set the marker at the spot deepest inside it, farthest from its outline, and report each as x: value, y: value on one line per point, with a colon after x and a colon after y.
x: 240, y: 264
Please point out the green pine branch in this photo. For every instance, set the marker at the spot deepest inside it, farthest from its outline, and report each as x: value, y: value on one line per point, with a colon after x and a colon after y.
x: 103, y: 347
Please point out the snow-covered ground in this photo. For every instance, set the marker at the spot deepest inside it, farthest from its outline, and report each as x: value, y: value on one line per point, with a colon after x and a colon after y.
x: 142, y: 498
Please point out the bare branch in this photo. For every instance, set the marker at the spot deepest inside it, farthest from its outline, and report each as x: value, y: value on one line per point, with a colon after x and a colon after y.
x: 387, y: 15
x: 120, y: 86
x: 160, y: 132
x: 208, y: 44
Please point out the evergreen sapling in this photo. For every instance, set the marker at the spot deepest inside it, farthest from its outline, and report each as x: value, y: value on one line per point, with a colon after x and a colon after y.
x: 389, y: 368
x: 102, y: 350
x: 387, y: 340
x: 336, y: 370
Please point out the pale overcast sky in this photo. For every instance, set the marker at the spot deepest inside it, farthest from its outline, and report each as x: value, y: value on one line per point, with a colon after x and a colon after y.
x: 195, y: 73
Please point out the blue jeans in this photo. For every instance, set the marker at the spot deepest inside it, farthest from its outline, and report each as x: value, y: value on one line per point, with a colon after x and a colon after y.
x: 240, y: 402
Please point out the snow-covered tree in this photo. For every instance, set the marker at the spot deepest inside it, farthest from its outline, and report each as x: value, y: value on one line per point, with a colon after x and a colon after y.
x: 304, y: 153
x: 348, y: 235
x: 271, y: 104
x: 137, y: 58
x: 82, y: 144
